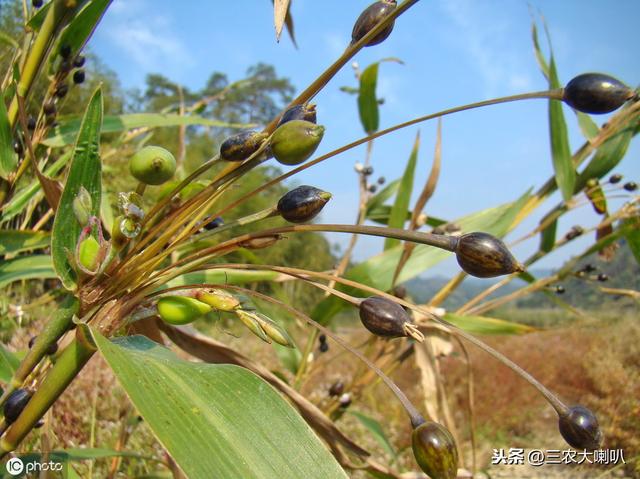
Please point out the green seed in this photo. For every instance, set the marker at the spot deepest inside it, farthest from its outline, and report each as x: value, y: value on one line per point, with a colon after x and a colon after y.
x: 181, y: 309
x: 152, y: 165
x: 88, y: 253
x: 435, y: 450
x: 295, y: 141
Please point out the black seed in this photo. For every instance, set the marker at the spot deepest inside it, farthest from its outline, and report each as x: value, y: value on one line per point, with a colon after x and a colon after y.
x: 368, y: 171
x: 79, y: 61
x: 241, y: 146
x: 213, y: 224
x: 485, y: 256
x: 579, y: 427
x: 596, y: 93
x: 18, y: 148
x: 305, y: 112
x: 381, y: 180
x: 384, y: 317
x: 49, y: 108
x: 589, y: 268
x: 613, y: 179
x: 345, y: 400
x: 65, y: 52
x: 322, y: 338
x: 372, y: 188
x: 78, y: 77
x: 560, y: 289
x: 369, y: 18
x: 324, y: 347
x: 302, y: 204
x: 36, y: 3
x: 603, y: 277
x: 336, y: 388
x: 15, y: 403
x: 61, y: 90
x: 630, y: 186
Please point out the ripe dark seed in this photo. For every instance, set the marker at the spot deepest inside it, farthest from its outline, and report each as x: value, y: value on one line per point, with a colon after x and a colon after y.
x: 368, y: 171
x: 39, y: 424
x: 372, y: 188
x: 596, y: 93
x: 485, y: 256
x: 61, y: 90
x: 560, y: 289
x: 15, y: 403
x: 603, y: 277
x: 18, y: 148
x: 322, y: 338
x: 589, y: 268
x: 36, y: 3
x: 31, y: 123
x: 51, y: 350
x: 65, y: 52
x: 336, y: 388
x: 302, y: 204
x: 324, y: 347
x: 241, y: 146
x: 79, y: 61
x: 381, y: 180
x: 435, y: 450
x: 78, y: 77
x: 579, y: 427
x: 369, y: 18
x: 305, y: 112
x: 49, y: 108
x: 613, y: 179
x: 574, y: 232
x: 631, y: 186
x: 384, y: 317
x: 213, y: 224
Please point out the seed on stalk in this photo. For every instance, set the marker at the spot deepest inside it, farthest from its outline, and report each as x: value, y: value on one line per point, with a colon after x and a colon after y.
x: 574, y: 232
x: 369, y: 18
x: 305, y: 112
x: 386, y: 318
x: 367, y: 171
x: 15, y: 403
x: 79, y: 61
x: 381, y: 180
x: 336, y: 389
x: 31, y: 123
x: 345, y: 400
x: 78, y: 77
x: 51, y: 350
x: 18, y: 148
x: 61, y: 90
x: 485, y: 256
x: 596, y: 93
x: 181, y: 309
x: 65, y: 51
x: 603, y: 277
x: 36, y: 3
x: 579, y: 427
x: 630, y: 186
x: 218, y: 299
x: 435, y: 450
x: 241, y: 146
x: 302, y: 204
x: 615, y: 178
x: 295, y: 141
x: 560, y: 289
x: 324, y: 347
x: 49, y: 108
x: 214, y: 223
x: 152, y: 165
x: 372, y: 189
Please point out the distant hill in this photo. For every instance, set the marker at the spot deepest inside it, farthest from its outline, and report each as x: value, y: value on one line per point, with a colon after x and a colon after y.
x: 622, y: 271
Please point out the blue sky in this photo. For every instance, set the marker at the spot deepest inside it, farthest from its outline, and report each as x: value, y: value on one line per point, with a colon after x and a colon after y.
x: 454, y: 52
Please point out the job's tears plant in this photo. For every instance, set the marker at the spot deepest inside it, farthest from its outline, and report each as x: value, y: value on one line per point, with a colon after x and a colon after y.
x: 128, y: 273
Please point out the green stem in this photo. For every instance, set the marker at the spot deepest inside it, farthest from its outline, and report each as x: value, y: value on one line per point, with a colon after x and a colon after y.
x: 68, y: 365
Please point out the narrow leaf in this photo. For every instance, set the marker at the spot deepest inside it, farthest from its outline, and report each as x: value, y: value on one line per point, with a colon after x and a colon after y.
x: 542, y: 62
x: 383, y: 195
x: 280, y: 11
x: 367, y: 97
x: 375, y: 428
x: 9, y: 362
x: 401, y: 203
x: 16, y: 241
x: 26, y: 267
x: 632, y: 236
x: 560, y: 149
x: 216, y: 420
x: 548, y: 236
x: 587, y: 125
x: 84, y: 23
x: 8, y: 158
x: 486, y: 326
x: 84, y: 172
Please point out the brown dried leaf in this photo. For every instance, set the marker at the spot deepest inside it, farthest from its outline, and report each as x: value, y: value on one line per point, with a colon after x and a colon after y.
x: 280, y: 12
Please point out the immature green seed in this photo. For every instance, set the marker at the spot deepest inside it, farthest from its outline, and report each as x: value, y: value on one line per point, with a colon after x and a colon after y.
x: 302, y: 204
x: 249, y: 319
x: 579, y: 427
x: 218, y: 299
x: 596, y: 93
x: 435, y: 450
x: 152, y: 165
x: 369, y: 18
x: 295, y: 141
x: 275, y: 331
x: 241, y: 146
x: 89, y: 253
x: 485, y: 256
x: 181, y: 309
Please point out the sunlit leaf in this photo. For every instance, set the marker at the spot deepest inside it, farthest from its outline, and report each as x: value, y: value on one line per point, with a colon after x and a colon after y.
x: 76, y: 34
x: 367, y: 97
x: 8, y: 158
x: 376, y: 430
x: 16, y: 241
x: 486, y: 326
x: 85, y: 172
x: 26, y: 267
x: 9, y: 362
x: 216, y: 420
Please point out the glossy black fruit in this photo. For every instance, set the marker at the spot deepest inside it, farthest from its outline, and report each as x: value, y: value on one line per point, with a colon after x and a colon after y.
x: 631, y: 186
x: 368, y: 170
x: 65, y: 51
x: 574, y: 232
x: 36, y: 3
x: 579, y: 427
x: 616, y: 178
x: 306, y: 112
x: 369, y: 18
x: 560, y: 289
x: 485, y: 256
x: 372, y: 189
x: 31, y: 123
x: 49, y: 108
x: 336, y: 388
x: 78, y: 77
x: 381, y: 180
x: 241, y: 146
x: 384, y: 317
x: 15, y: 403
x: 435, y: 450
x: 18, y: 148
x: 322, y: 338
x: 302, y: 204
x: 51, y: 350
x: 324, y: 347
x: 214, y: 223
x: 79, y: 61
x: 596, y: 93
x: 603, y: 277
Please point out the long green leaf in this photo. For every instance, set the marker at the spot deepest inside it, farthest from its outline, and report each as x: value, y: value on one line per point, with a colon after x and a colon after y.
x: 383, y: 195
x: 26, y: 267
x: 560, y: 149
x: 8, y: 158
x: 15, y: 241
x: 401, y: 203
x: 215, y: 420
x: 83, y: 24
x: 548, y: 237
x: 9, y: 362
x: 587, y: 125
x: 67, y: 131
x: 223, y: 276
x: 375, y: 428
x: 486, y: 326
x: 632, y: 236
x: 542, y: 62
x: 84, y: 172
x: 367, y: 100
